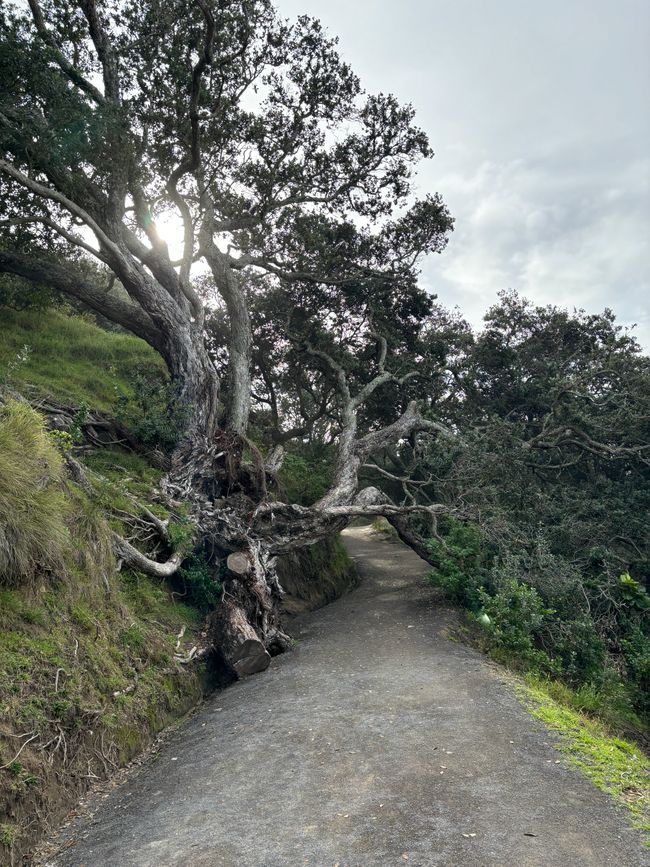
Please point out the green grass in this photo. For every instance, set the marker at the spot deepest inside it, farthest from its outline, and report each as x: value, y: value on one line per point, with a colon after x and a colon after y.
x: 69, y: 357
x: 86, y: 652
x: 33, y: 507
x: 615, y: 766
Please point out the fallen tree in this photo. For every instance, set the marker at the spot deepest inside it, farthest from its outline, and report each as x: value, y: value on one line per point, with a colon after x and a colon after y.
x: 253, y: 138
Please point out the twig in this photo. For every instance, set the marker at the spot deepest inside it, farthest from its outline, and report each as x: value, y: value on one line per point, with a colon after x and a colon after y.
x: 56, y: 679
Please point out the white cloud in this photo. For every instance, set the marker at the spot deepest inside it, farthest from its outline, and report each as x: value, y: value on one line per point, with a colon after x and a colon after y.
x: 578, y: 239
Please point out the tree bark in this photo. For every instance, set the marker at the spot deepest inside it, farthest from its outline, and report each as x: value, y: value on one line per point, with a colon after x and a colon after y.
x: 246, y: 625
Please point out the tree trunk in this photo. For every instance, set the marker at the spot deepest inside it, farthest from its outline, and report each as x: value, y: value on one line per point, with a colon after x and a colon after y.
x: 245, y: 627
x: 195, y: 376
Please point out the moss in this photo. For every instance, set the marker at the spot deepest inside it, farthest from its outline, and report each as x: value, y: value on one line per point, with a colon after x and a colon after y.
x: 615, y: 766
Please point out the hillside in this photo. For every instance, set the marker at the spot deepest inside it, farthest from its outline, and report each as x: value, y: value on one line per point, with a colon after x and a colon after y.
x: 68, y: 357
x: 94, y: 660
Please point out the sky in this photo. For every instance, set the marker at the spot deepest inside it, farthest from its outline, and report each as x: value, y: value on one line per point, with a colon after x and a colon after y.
x: 539, y: 116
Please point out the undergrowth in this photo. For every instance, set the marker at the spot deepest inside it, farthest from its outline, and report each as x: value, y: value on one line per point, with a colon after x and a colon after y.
x: 523, y: 615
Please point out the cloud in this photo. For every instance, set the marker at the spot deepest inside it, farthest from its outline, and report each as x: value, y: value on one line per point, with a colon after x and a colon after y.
x: 537, y: 113
x: 557, y: 229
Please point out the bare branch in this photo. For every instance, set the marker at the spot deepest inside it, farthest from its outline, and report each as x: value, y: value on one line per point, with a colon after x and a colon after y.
x: 132, y: 557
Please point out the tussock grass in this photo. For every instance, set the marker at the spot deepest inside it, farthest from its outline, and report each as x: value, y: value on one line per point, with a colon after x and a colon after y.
x: 33, y: 507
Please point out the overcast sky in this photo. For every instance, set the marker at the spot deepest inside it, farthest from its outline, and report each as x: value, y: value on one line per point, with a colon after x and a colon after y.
x: 539, y: 114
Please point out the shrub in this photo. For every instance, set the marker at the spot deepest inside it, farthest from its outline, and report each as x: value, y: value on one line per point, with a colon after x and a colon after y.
x: 152, y: 411
x: 463, y: 563
x: 539, y: 613
x: 305, y: 480
x: 33, y: 507
x: 204, y: 589
x: 516, y: 613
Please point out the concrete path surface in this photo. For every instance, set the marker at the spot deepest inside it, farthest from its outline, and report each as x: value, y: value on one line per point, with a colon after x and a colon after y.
x: 377, y: 742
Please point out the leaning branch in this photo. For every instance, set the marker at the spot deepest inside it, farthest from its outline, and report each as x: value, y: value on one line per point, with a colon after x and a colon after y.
x: 74, y: 283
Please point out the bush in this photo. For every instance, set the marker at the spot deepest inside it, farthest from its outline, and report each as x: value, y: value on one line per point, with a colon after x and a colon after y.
x: 203, y: 588
x: 516, y: 613
x: 33, y: 508
x: 464, y: 563
x: 540, y: 614
x: 305, y: 480
x: 152, y: 412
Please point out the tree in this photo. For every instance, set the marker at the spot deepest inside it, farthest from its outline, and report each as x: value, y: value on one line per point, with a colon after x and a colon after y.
x: 288, y: 181
x: 547, y: 486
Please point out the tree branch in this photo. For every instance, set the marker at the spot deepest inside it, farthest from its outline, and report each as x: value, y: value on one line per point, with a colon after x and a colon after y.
x: 64, y: 279
x: 72, y: 73
x: 132, y: 557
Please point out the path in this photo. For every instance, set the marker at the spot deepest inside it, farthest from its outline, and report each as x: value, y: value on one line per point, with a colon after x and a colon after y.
x: 377, y: 742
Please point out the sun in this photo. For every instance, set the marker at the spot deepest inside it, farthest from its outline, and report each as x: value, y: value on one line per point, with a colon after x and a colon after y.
x: 169, y: 227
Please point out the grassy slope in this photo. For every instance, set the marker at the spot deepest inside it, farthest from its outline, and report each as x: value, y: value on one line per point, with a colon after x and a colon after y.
x: 86, y: 652
x: 69, y: 357
x: 87, y: 670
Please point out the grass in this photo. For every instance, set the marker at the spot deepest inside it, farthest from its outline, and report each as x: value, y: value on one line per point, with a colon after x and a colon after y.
x: 69, y: 357
x: 615, y: 766
x: 33, y: 508
x: 86, y: 653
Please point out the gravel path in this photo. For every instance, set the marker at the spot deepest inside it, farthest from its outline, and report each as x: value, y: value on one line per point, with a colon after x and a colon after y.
x: 377, y: 742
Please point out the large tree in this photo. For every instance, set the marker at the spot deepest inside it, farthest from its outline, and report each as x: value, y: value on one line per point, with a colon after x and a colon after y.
x: 292, y: 187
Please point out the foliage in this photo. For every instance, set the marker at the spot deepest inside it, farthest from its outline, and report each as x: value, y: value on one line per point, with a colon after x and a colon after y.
x: 151, y: 409
x: 21, y: 294
x: 203, y: 588
x: 33, y: 509
x: 551, y: 479
x: 517, y: 615
x: 463, y: 563
x: 306, y: 478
